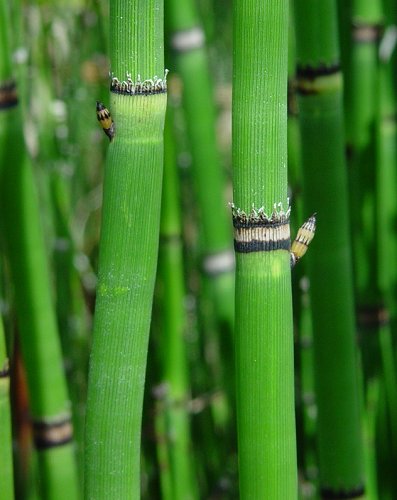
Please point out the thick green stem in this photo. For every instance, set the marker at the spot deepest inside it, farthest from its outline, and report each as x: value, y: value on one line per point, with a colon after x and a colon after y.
x: 264, y: 341
x: 128, y: 252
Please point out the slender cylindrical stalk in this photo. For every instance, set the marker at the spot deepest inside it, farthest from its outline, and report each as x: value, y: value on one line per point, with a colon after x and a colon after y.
x: 386, y: 181
x: 39, y: 340
x: 304, y: 371
x: 6, y: 468
x: 128, y: 251
x: 264, y: 341
x: 386, y: 209
x: 172, y: 355
x: 216, y: 299
x: 54, y: 188
x: 361, y: 111
x: 319, y: 84
x: 188, y: 44
x: 162, y: 453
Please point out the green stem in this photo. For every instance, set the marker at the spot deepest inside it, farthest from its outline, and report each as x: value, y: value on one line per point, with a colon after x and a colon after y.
x: 361, y: 114
x: 264, y: 341
x: 128, y: 253
x: 49, y: 405
x: 320, y: 100
x: 188, y: 43
x: 172, y: 355
x: 6, y: 467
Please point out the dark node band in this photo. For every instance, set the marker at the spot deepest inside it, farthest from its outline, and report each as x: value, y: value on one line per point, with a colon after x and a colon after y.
x: 366, y: 33
x: 261, y: 246
x: 51, y: 434
x: 8, y: 95
x: 329, y: 493
x: 372, y: 317
x: 313, y: 72
x: 5, y: 371
x: 249, y: 224
x: 146, y: 87
x: 311, y: 80
x: 150, y: 86
x: 260, y: 233
x: 118, y: 90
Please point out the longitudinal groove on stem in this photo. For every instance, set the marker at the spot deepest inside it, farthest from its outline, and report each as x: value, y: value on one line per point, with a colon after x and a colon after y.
x: 127, y: 257
x: 136, y: 46
x: 256, y: 116
x: 264, y: 341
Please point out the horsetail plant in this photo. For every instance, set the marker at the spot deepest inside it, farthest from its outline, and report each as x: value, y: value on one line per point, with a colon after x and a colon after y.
x: 263, y: 327
x: 55, y: 196
x: 319, y: 87
x: 371, y: 216
x: 386, y: 157
x: 173, y: 390
x: 6, y: 474
x: 128, y: 251
x: 188, y: 44
x: 49, y: 405
x: 216, y: 304
x: 386, y: 209
x: 361, y: 114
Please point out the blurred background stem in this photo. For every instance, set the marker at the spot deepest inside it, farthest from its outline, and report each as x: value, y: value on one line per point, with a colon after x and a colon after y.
x: 320, y: 98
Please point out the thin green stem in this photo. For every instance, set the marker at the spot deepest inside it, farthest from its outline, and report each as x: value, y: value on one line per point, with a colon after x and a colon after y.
x: 6, y: 467
x: 49, y: 405
x: 172, y: 329
x: 187, y: 41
